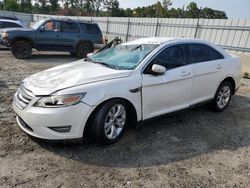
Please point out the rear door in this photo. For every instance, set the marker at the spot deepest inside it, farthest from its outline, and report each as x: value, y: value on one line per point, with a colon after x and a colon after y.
x: 49, y: 36
x: 208, y: 71
x: 70, y: 35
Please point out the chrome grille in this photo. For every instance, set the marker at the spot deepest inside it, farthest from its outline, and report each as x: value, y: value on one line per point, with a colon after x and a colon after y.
x: 23, y: 97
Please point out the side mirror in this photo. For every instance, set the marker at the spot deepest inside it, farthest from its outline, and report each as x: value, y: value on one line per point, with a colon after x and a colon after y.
x: 158, y: 69
x: 42, y: 29
x: 89, y: 55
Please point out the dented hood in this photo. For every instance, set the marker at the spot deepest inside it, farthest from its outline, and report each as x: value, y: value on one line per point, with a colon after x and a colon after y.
x: 70, y: 75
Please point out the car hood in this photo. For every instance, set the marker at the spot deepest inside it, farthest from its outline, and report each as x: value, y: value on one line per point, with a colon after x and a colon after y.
x: 70, y: 75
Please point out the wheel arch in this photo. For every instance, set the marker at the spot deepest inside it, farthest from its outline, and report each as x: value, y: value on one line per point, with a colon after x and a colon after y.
x: 231, y: 80
x: 132, y: 115
x: 85, y: 41
x: 22, y: 39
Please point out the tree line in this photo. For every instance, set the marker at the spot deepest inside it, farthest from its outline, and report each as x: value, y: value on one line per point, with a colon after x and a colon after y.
x: 110, y: 8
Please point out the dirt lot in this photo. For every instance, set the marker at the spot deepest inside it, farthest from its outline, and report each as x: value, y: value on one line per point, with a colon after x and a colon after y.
x: 194, y: 148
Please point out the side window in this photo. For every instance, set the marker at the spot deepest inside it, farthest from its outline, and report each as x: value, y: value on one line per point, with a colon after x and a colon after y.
x: 10, y: 25
x: 52, y: 26
x: 172, y: 57
x: 202, y: 53
x: 90, y: 28
x: 1, y: 25
x: 215, y: 54
x: 69, y: 27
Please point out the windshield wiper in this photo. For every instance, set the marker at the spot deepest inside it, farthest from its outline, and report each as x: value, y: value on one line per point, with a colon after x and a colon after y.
x: 105, y: 64
x: 137, y: 47
x: 88, y: 59
x: 97, y: 62
x: 101, y: 63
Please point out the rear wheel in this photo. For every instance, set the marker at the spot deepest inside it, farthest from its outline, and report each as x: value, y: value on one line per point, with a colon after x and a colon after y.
x: 222, y: 96
x: 21, y: 49
x: 83, y: 50
x: 109, y: 122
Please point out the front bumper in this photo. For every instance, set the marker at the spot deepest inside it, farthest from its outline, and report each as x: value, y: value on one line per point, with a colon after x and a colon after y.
x: 37, y: 121
x: 4, y: 42
x: 1, y: 40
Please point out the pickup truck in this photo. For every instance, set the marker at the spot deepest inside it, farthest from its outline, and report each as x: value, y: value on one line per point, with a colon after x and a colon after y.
x: 77, y: 37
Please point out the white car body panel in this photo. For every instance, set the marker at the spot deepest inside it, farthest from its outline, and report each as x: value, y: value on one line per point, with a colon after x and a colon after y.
x: 151, y: 95
x: 172, y: 89
x: 99, y: 92
x: 206, y: 74
x: 73, y: 74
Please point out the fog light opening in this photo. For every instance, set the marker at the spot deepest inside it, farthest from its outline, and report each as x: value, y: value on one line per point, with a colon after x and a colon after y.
x: 63, y: 129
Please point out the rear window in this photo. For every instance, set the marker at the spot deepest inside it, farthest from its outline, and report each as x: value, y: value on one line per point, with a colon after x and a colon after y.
x: 90, y: 28
x: 202, y: 53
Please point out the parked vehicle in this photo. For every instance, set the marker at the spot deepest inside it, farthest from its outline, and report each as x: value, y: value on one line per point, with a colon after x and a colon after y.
x: 10, y: 23
x: 99, y: 96
x: 12, y: 19
x: 76, y: 37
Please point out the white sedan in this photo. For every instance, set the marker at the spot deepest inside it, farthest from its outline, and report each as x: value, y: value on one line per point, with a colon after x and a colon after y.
x: 101, y: 95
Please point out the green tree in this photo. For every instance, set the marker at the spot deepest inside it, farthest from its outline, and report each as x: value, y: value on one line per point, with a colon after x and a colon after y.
x: 54, y: 6
x: 128, y: 12
x: 1, y: 5
x: 26, y: 6
x: 166, y: 4
x: 112, y: 6
x: 11, y: 5
x: 97, y: 5
x: 192, y: 10
x: 220, y: 14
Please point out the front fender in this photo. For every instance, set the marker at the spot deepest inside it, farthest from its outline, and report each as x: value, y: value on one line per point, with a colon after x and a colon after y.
x: 99, y: 92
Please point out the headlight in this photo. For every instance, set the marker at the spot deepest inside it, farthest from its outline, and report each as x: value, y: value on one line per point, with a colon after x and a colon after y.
x: 55, y: 101
x: 5, y: 34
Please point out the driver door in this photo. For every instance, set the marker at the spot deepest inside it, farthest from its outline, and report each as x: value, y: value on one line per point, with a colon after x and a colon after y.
x: 170, y: 91
x: 49, y: 36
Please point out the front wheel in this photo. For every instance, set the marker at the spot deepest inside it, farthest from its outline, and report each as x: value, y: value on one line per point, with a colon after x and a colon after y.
x: 21, y: 49
x: 109, y: 122
x: 222, y: 96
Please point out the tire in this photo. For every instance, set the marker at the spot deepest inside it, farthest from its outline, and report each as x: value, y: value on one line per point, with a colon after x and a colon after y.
x: 109, y: 122
x: 83, y: 49
x: 21, y: 49
x: 222, y: 97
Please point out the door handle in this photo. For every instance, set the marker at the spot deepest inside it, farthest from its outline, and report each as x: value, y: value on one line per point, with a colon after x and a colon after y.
x: 57, y: 35
x: 218, y: 67
x: 184, y: 73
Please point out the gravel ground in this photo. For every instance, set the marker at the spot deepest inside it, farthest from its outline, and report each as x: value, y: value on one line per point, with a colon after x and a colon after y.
x: 193, y: 148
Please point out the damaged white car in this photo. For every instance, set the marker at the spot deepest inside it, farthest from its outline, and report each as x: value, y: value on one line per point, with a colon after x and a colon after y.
x: 101, y: 95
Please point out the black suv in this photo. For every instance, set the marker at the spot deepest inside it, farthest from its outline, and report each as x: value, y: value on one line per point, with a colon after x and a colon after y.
x: 77, y: 37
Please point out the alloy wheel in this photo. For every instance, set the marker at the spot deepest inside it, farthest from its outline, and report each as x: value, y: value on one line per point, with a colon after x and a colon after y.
x: 223, y: 96
x: 115, y: 121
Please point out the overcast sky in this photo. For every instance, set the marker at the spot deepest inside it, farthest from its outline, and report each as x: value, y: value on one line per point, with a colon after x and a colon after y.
x: 233, y: 8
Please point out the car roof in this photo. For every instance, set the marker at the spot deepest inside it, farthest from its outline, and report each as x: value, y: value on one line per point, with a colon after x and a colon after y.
x: 163, y: 40
x: 149, y: 40
x: 7, y: 20
x: 69, y: 20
